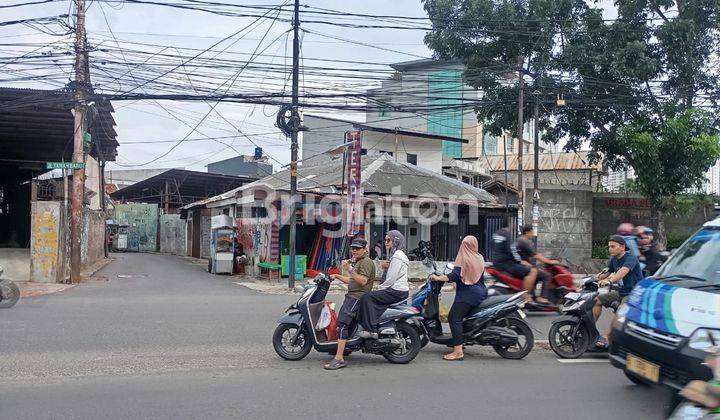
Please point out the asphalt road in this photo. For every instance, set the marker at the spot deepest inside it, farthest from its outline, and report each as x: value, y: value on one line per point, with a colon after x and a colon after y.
x: 161, y: 338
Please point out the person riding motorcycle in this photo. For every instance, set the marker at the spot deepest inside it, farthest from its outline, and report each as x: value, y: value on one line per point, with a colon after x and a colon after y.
x: 649, y: 252
x: 505, y: 258
x: 360, y: 278
x: 624, y: 270
x: 526, y: 249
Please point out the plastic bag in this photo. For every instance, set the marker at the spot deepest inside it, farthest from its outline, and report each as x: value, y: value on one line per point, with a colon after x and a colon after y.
x: 324, y: 319
x: 331, y: 330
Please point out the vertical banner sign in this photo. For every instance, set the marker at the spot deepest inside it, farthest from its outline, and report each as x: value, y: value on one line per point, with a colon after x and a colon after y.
x: 353, y: 213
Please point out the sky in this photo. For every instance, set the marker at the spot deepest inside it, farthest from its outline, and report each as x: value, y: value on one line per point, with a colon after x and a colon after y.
x: 148, y: 121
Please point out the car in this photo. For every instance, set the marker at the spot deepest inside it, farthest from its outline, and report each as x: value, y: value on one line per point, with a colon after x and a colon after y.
x: 670, y: 322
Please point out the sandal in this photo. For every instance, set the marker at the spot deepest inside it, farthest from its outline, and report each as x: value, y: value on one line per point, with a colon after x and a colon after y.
x: 451, y: 358
x: 602, y: 343
x: 335, y: 364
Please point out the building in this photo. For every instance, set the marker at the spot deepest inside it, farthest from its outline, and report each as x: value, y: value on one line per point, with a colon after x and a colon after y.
x: 446, y: 107
x: 37, y: 127
x: 391, y: 190
x: 404, y: 145
x: 246, y: 166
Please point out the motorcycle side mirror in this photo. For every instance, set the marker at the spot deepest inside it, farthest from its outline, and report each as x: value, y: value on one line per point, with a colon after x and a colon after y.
x: 449, y: 267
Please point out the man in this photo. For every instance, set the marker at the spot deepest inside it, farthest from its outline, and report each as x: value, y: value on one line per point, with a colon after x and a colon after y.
x: 360, y: 271
x: 623, y: 270
x: 506, y: 259
x: 526, y: 249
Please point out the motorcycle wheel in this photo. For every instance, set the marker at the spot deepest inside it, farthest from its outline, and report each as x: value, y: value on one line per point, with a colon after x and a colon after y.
x: 558, y: 338
x: 526, y: 339
x: 284, y: 348
x: 410, y: 350
x: 9, y: 293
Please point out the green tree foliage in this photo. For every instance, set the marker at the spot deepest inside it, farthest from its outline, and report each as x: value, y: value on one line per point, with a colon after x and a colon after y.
x: 631, y: 84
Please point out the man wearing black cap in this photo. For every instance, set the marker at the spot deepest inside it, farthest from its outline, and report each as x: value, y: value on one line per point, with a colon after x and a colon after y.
x: 360, y: 271
x: 623, y: 269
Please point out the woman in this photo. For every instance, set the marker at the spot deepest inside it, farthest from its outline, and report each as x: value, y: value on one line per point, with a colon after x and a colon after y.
x: 470, y: 290
x: 393, y: 289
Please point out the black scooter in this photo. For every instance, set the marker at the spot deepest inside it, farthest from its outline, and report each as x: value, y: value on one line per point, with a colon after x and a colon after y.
x: 574, y: 332
x: 498, y: 321
x: 398, y: 338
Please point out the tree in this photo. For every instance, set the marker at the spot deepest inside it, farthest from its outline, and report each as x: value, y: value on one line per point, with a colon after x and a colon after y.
x: 626, y: 80
x: 670, y: 157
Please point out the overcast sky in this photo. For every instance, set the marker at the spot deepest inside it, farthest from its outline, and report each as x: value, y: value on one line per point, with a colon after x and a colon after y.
x: 146, y: 120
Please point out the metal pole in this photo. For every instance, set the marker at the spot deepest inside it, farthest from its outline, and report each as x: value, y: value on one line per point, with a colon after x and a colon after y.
x: 294, y: 142
x: 396, y: 143
x: 521, y: 105
x: 536, y: 172
x: 81, y: 81
x: 505, y: 187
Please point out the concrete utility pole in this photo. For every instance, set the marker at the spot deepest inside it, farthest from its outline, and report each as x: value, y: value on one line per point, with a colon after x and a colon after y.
x: 295, y: 126
x: 521, y: 105
x: 82, y: 81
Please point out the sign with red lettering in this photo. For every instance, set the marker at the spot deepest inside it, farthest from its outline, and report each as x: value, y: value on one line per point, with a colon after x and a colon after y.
x: 628, y: 203
x: 353, y: 213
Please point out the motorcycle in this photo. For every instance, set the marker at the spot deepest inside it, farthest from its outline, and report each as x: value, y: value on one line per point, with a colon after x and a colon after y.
x: 498, y: 321
x: 574, y: 332
x: 9, y: 292
x: 561, y: 283
x: 398, y: 338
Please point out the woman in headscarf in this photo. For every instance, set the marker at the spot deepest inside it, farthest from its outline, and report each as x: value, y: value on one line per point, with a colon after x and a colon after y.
x: 470, y: 290
x: 394, y: 288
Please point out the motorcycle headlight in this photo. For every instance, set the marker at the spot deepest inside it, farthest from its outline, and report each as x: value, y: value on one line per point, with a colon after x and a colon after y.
x: 705, y: 339
x: 620, y: 316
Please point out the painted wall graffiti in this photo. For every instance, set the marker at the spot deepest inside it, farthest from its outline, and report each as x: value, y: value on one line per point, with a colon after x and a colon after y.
x: 142, y: 221
x: 45, y: 241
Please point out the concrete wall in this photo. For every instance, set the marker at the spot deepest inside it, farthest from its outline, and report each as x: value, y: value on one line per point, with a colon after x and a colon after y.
x: 324, y: 135
x: 565, y: 225
x: 92, y: 243
x: 142, y: 220
x: 47, y: 237
x: 15, y: 263
x: 610, y: 209
x: 172, y: 234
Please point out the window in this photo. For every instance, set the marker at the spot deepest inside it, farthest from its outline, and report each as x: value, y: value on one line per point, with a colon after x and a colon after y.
x: 412, y: 158
x: 226, y: 212
x: 509, y: 143
x: 466, y: 179
x: 413, y: 231
x: 489, y: 145
x: 385, y: 151
x: 363, y: 152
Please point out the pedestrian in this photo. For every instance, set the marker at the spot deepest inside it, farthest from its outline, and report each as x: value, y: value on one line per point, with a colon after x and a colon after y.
x: 393, y: 289
x: 467, y: 274
x: 360, y: 276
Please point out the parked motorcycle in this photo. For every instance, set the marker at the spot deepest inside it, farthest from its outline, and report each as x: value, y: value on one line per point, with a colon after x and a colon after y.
x: 9, y: 292
x: 498, y: 321
x: 574, y: 332
x: 398, y: 338
x: 561, y: 283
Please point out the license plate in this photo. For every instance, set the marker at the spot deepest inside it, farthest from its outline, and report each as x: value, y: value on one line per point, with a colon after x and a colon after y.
x: 522, y: 314
x: 643, y: 368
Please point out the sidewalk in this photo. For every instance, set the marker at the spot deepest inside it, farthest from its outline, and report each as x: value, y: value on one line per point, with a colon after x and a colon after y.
x: 34, y: 289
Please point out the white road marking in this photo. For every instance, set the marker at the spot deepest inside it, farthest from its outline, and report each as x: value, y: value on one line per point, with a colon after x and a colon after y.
x: 583, y: 360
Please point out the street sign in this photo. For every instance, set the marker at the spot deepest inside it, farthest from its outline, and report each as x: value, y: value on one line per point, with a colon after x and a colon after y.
x: 65, y: 165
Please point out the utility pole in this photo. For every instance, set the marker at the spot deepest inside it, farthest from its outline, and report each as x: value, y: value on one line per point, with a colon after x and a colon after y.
x: 82, y: 82
x: 536, y: 170
x: 295, y: 127
x: 521, y: 105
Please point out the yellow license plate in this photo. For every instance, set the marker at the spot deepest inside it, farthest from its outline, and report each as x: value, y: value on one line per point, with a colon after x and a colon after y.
x: 643, y: 368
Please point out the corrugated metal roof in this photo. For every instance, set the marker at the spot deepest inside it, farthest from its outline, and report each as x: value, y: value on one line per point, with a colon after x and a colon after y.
x: 380, y: 176
x: 548, y: 162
